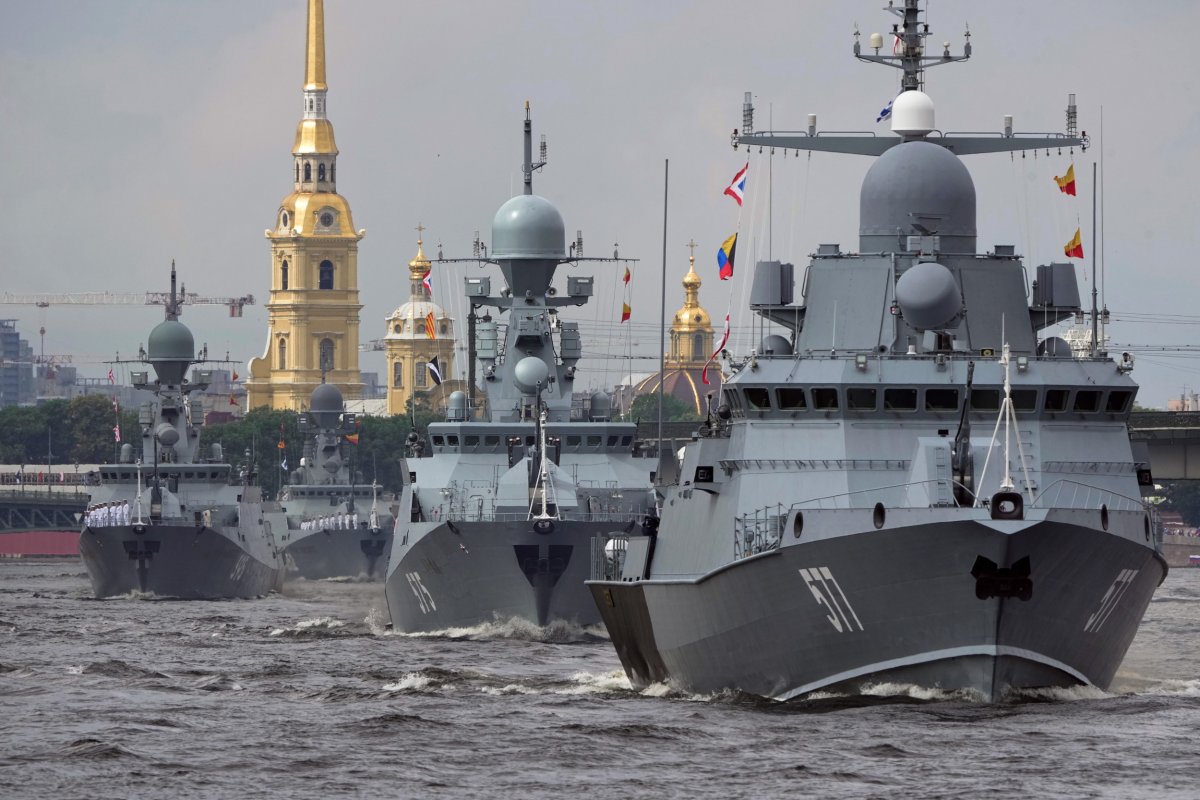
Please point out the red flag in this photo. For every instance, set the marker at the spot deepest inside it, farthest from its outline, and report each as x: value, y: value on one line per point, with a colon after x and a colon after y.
x: 117, y: 432
x: 1066, y: 184
x: 111, y: 379
x: 627, y: 276
x: 235, y: 375
x: 625, y: 311
x: 351, y: 438
x: 1074, y: 248
x: 232, y: 400
x: 430, y: 331
x: 717, y: 352
x: 737, y: 187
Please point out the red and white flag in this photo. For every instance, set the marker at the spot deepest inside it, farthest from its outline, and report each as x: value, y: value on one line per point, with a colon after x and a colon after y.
x: 717, y: 352
x: 117, y: 432
x: 111, y: 379
x: 737, y: 187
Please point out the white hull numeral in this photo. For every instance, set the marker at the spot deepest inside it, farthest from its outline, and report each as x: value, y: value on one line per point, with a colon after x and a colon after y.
x: 423, y: 595
x: 1109, y: 602
x: 828, y: 593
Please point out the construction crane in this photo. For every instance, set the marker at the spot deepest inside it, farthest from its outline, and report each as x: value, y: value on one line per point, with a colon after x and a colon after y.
x: 234, y: 304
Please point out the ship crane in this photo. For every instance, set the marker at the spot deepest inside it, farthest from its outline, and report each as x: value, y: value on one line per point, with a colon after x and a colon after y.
x: 234, y: 304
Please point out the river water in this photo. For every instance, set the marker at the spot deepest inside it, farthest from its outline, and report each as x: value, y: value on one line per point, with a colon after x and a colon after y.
x: 305, y: 694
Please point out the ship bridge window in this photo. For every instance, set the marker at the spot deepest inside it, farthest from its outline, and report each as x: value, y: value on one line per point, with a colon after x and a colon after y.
x: 1087, y: 400
x: 791, y: 397
x: 574, y: 441
x: 1118, y: 402
x: 941, y: 399
x: 900, y: 399
x: 491, y: 440
x: 593, y: 441
x: 626, y: 441
x: 1056, y: 399
x: 612, y: 441
x: 438, y: 441
x: 985, y: 399
x: 452, y: 441
x: 860, y: 398
x: 529, y: 441
x: 825, y: 398
x: 471, y: 441
x: 1025, y: 401
x: 758, y: 397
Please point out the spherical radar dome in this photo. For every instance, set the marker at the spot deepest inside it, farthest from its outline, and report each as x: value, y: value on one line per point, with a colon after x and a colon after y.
x: 326, y: 404
x: 529, y: 372
x: 928, y: 295
x: 914, y: 181
x: 528, y: 226
x: 171, y: 341
x: 912, y: 113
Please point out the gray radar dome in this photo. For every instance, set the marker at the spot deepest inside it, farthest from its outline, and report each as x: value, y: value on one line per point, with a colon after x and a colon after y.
x: 529, y: 372
x: 528, y: 226
x: 1055, y: 347
x: 775, y: 345
x: 600, y: 407
x: 456, y: 407
x: 171, y: 350
x: 915, y: 189
x: 928, y: 295
x: 325, y: 405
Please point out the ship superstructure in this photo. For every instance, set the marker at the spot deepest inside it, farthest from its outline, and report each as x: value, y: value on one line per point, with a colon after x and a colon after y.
x: 330, y: 522
x: 169, y: 520
x: 504, y: 500
x: 911, y: 486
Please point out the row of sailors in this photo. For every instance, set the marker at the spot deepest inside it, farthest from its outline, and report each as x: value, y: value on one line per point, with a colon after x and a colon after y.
x: 102, y: 515
x: 331, y: 522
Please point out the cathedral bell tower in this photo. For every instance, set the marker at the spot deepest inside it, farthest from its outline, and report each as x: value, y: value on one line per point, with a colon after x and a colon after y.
x: 312, y: 314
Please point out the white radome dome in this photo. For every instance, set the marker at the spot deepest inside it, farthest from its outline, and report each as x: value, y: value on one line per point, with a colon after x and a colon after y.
x: 912, y: 113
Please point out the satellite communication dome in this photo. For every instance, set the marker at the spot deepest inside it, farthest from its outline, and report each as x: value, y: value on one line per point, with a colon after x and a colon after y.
x: 528, y: 226
x: 529, y: 372
x: 912, y: 113
x: 1055, y: 347
x: 775, y: 345
x: 917, y: 188
x: 171, y: 350
x: 326, y: 405
x: 928, y: 295
x: 600, y: 406
x: 456, y: 407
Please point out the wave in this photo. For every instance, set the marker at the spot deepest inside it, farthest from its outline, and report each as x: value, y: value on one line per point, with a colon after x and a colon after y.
x: 517, y: 629
x: 96, y: 749
x: 315, y: 628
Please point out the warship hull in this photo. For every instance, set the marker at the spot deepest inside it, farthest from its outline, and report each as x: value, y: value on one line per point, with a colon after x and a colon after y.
x: 946, y: 605
x: 459, y: 574
x: 176, y: 561
x: 340, y: 554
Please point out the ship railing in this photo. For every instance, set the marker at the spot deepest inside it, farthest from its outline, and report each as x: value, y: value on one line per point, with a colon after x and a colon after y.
x: 608, y: 557
x: 936, y: 492
x: 759, y: 531
x: 484, y: 514
x: 1066, y: 493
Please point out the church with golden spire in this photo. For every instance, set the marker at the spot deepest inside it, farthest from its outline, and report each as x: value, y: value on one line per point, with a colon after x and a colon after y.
x: 419, y: 331
x: 313, y: 310
x: 688, y: 349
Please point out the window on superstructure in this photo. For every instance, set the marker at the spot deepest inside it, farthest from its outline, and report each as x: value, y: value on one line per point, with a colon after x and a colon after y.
x: 985, y: 399
x: 860, y: 398
x: 825, y: 398
x: 1118, y: 402
x: 452, y: 440
x: 325, y: 275
x: 593, y: 441
x: 1087, y: 400
x: 612, y: 441
x: 573, y: 441
x: 791, y: 398
x: 1056, y: 399
x: 941, y: 399
x: 491, y: 440
x: 438, y: 441
x: 900, y: 399
x: 471, y: 441
x: 758, y: 397
x: 1025, y: 400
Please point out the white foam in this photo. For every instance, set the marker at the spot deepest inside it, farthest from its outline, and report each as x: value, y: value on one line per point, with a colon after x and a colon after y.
x: 1064, y: 694
x: 327, y: 623
x: 517, y: 628
x: 584, y: 683
x: 891, y: 689
x: 410, y: 681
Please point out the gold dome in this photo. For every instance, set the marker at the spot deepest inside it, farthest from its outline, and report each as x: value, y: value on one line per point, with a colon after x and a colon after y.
x: 420, y: 266
x: 306, y: 209
x: 691, y: 316
x: 315, y: 137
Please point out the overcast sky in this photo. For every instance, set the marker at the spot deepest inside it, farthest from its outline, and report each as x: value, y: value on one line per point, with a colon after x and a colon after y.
x: 134, y: 133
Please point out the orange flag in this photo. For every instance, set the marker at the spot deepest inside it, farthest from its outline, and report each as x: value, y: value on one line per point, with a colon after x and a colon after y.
x: 1066, y: 184
x: 625, y: 311
x: 1074, y: 248
x: 430, y: 333
x: 627, y: 276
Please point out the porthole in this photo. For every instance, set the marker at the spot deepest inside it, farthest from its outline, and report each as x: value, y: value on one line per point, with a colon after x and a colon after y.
x: 798, y: 524
x: 1104, y: 517
x: 879, y: 516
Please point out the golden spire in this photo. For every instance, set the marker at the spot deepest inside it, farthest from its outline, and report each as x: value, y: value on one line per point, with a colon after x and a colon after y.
x: 691, y: 281
x: 314, y: 51
x: 420, y: 266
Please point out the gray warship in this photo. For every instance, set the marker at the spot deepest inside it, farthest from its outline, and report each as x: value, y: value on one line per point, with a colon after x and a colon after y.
x: 912, y: 487
x: 171, y: 521
x: 329, y: 524
x: 502, y: 503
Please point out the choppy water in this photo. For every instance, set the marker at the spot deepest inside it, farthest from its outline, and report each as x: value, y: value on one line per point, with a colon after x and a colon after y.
x: 305, y: 695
